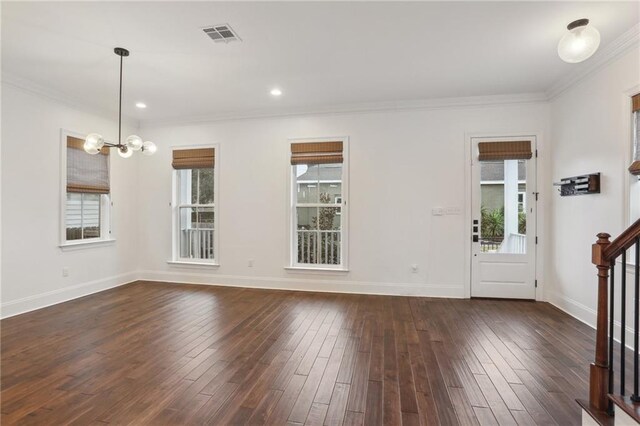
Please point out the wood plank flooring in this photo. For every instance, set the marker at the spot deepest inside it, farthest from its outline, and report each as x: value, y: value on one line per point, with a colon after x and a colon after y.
x: 155, y: 353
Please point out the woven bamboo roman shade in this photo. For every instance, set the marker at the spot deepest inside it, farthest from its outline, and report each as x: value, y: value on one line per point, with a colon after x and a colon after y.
x: 316, y: 153
x: 86, y: 173
x: 512, y: 150
x: 634, y: 169
x: 635, y: 103
x: 199, y: 158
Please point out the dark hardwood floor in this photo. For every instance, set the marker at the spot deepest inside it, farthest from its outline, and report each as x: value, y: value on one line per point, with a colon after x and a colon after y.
x: 152, y: 353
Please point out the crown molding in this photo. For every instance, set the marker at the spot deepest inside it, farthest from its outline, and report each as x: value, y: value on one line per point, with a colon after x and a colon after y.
x: 612, y: 51
x: 53, y: 95
x: 361, y: 108
x: 606, y: 55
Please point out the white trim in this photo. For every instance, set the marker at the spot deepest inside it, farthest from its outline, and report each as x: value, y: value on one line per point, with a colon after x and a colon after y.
x: 358, y: 108
x: 497, y: 182
x: 187, y: 264
x: 35, y: 89
x: 42, y: 300
x: 175, y: 217
x: 82, y: 244
x: 625, y: 102
x: 344, y: 208
x: 326, y: 285
x: 585, y: 314
x: 537, y: 137
x: 606, y: 55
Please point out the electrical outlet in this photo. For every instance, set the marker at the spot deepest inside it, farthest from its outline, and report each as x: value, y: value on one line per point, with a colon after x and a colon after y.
x: 250, y: 263
x: 414, y: 268
x: 65, y: 272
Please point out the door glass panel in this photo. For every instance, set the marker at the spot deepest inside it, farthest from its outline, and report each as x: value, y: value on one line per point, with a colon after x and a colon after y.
x: 503, y: 209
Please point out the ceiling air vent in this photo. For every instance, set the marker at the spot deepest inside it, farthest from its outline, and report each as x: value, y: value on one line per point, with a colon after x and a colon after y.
x: 221, y: 33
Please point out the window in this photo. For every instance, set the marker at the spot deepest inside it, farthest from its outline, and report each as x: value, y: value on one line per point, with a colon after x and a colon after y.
x: 86, y: 205
x: 318, y: 204
x: 194, y: 206
x: 634, y: 169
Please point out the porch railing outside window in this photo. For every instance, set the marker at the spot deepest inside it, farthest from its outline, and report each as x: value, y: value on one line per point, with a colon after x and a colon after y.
x: 321, y: 247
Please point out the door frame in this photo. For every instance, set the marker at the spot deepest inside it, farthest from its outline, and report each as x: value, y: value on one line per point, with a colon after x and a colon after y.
x: 468, y: 248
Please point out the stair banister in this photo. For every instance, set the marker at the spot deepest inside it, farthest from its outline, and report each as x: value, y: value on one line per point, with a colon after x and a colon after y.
x: 604, y: 255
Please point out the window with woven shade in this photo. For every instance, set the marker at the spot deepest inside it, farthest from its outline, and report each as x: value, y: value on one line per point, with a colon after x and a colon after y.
x: 87, y: 193
x: 195, y: 236
x: 318, y: 204
x: 634, y: 168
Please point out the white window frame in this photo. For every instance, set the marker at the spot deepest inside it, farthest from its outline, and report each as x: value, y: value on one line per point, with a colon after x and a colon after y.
x: 106, y: 229
x: 175, y: 213
x: 634, y: 181
x: 344, y: 210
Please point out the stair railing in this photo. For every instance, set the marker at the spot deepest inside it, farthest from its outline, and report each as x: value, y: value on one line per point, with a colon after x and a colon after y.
x: 605, y: 255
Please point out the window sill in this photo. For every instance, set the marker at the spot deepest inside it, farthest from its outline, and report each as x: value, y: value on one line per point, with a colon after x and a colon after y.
x: 68, y: 246
x: 315, y: 270
x: 189, y: 264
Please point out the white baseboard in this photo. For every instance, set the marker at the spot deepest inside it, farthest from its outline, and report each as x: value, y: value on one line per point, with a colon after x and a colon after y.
x: 305, y: 284
x: 586, y: 315
x: 576, y: 309
x: 38, y: 301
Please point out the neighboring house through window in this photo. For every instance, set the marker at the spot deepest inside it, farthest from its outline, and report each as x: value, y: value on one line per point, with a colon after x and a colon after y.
x: 195, y: 238
x: 87, y: 204
x: 492, y: 186
x: 318, y: 173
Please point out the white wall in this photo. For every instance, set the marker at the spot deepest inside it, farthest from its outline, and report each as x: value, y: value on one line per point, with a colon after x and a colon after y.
x: 32, y: 262
x: 402, y: 164
x: 591, y: 131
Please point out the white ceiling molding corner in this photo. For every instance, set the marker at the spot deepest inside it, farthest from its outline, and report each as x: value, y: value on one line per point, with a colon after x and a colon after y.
x: 61, y: 98
x: 363, y: 108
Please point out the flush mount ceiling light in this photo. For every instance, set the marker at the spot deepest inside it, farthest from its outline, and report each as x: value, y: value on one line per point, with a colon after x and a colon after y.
x: 276, y: 92
x: 141, y: 105
x: 579, y: 43
x: 94, y: 142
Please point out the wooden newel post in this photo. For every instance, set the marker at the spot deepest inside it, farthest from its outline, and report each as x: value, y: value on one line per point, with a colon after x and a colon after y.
x: 599, y: 373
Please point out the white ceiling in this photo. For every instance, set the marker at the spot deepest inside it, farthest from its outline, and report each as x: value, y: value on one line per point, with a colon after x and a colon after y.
x: 320, y: 54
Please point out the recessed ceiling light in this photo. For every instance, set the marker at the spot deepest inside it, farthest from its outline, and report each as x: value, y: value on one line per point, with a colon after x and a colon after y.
x: 276, y: 92
x: 141, y: 105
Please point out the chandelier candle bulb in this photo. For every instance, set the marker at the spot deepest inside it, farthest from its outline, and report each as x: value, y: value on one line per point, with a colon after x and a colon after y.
x: 125, y: 152
x: 134, y: 142
x: 149, y: 148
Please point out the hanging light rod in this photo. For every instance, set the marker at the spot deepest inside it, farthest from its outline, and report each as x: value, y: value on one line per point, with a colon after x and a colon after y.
x: 94, y: 142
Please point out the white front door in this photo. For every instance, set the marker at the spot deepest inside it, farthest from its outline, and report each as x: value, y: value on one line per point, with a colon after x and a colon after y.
x: 503, y: 247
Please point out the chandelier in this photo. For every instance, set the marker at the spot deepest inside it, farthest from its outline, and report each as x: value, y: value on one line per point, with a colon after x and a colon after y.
x: 94, y: 142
